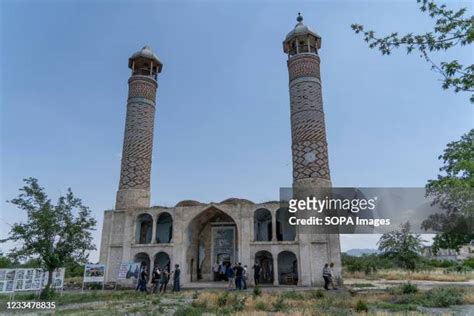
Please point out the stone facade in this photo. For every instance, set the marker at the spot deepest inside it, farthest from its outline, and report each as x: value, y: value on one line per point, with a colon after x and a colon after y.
x: 197, y: 236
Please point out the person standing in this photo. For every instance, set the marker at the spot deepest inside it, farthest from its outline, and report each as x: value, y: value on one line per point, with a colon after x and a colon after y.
x: 163, y: 281
x: 215, y: 270
x: 256, y: 273
x: 155, y: 279
x: 143, y: 280
x: 244, y: 277
x: 239, y: 272
x: 230, y: 276
x: 326, y: 276
x: 176, y: 275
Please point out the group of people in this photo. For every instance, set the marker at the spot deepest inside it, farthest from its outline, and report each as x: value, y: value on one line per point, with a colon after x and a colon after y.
x: 235, y: 275
x: 159, y: 279
x: 328, y: 275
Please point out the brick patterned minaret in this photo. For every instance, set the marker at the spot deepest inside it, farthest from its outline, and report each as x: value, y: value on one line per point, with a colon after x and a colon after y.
x: 311, y: 175
x: 308, y: 131
x: 134, y: 186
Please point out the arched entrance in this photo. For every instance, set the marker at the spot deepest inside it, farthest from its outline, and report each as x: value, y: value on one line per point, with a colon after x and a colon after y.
x: 162, y: 260
x: 287, y: 268
x: 212, y: 242
x: 265, y: 260
x: 144, y: 261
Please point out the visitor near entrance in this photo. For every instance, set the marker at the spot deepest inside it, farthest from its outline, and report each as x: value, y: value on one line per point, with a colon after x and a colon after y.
x: 176, y: 276
x: 326, y: 276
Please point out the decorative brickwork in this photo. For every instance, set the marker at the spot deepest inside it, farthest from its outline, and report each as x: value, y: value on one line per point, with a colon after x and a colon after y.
x: 305, y: 65
x: 142, y: 88
x: 308, y: 130
x: 137, y: 144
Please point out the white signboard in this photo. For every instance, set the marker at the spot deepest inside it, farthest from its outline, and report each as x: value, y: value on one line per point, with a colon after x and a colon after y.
x: 94, y: 273
x: 31, y: 279
x: 128, y: 271
x: 7, y: 280
x: 28, y: 279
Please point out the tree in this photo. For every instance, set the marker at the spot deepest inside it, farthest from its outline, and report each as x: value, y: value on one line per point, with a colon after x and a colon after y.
x: 52, y: 233
x: 402, y: 246
x: 453, y: 191
x: 452, y: 28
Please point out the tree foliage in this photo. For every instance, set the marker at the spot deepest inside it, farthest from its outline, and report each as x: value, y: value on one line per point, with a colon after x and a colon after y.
x: 52, y: 233
x: 452, y: 28
x: 402, y: 246
x: 453, y: 191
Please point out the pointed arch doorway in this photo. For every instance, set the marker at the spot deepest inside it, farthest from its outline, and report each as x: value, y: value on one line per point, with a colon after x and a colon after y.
x: 212, y: 243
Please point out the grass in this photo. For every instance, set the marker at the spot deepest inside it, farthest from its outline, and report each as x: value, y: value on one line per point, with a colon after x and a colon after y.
x: 435, y: 275
x: 403, y: 299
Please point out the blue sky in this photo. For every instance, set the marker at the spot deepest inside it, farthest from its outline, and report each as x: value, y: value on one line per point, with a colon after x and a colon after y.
x: 222, y: 123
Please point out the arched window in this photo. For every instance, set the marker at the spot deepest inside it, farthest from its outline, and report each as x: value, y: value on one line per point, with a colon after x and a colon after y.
x: 144, y: 229
x: 262, y: 225
x: 265, y: 261
x: 164, y: 228
x: 144, y: 261
x: 287, y: 268
x: 284, y: 231
x: 162, y: 260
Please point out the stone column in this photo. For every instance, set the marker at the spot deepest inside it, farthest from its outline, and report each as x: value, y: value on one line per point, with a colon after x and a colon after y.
x: 274, y: 231
x: 153, y: 230
x: 276, y: 278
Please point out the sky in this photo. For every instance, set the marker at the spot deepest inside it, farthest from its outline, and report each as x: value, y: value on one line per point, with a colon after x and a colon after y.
x: 222, y: 126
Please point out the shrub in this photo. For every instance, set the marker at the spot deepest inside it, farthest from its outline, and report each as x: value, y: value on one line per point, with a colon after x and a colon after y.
x: 240, y: 304
x: 469, y: 263
x: 257, y: 291
x: 279, y: 304
x: 361, y: 306
x: 260, y: 306
x: 195, y: 295
x: 408, y: 288
x: 317, y: 294
x: 443, y: 297
x: 222, y: 299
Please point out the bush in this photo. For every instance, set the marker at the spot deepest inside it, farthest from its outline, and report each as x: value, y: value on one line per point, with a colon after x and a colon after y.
x: 443, y: 297
x: 408, y: 288
x: 361, y: 306
x: 279, y: 304
x: 317, y: 294
x: 260, y: 306
x: 469, y: 263
x: 240, y: 304
x: 257, y: 291
x: 222, y: 299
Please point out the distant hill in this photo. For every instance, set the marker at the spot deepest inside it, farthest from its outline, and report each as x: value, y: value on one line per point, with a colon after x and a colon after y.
x: 360, y: 252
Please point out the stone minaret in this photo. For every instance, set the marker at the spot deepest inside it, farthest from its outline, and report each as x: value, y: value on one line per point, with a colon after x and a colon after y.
x: 134, y: 187
x: 309, y: 146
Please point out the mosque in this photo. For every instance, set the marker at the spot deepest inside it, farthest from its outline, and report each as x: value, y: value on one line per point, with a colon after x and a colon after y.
x: 199, y: 235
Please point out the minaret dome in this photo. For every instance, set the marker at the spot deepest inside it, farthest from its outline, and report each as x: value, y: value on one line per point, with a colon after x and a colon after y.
x: 301, y: 39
